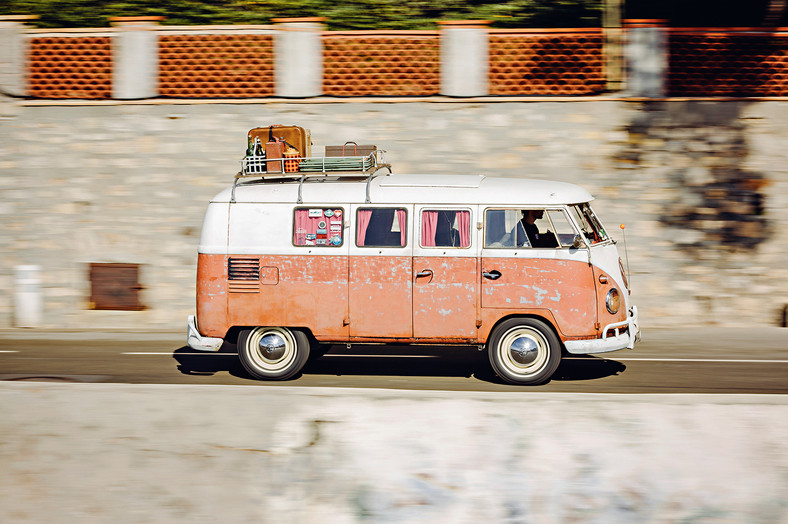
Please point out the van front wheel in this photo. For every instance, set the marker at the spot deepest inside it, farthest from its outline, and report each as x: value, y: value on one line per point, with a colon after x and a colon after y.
x: 524, y: 351
x: 273, y: 353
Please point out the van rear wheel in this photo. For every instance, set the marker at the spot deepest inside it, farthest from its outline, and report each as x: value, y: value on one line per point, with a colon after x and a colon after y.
x: 524, y: 351
x: 273, y: 353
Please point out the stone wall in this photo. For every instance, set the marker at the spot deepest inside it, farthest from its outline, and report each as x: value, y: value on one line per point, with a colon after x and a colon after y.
x: 701, y: 186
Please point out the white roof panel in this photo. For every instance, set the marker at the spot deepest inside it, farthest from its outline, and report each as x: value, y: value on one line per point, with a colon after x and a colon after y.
x: 419, y: 189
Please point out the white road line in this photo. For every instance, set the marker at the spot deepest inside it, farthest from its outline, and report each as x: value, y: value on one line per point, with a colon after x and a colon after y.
x: 716, y: 360
x: 9, y: 351
x: 170, y: 354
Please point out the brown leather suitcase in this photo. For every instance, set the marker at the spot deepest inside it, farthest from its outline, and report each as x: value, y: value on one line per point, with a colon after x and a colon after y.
x: 296, y: 136
x: 350, y: 149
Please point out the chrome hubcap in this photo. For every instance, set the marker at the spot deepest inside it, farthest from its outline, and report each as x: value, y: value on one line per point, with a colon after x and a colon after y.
x: 524, y: 351
x: 272, y: 347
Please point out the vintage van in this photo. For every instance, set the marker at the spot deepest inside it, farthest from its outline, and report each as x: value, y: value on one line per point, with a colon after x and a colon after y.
x: 288, y: 266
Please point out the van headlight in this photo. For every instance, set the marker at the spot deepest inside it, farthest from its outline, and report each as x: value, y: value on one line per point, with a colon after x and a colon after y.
x: 613, y: 301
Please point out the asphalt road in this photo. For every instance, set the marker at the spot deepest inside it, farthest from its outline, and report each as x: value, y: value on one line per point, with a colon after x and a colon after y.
x: 702, y: 360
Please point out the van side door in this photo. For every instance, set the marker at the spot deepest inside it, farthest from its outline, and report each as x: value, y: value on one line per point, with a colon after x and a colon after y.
x: 446, y: 273
x: 380, y: 278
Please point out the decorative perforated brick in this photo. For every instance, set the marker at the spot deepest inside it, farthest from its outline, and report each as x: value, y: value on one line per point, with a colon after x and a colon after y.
x: 381, y: 63
x: 216, y: 66
x: 526, y: 63
x: 728, y: 64
x: 70, y: 67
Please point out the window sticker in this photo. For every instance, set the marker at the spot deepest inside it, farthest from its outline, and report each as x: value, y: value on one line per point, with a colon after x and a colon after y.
x: 311, y: 227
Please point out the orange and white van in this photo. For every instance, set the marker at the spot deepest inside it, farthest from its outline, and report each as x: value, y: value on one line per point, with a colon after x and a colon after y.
x: 289, y: 265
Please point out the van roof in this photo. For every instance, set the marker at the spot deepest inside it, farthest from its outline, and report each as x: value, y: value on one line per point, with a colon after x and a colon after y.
x: 406, y: 189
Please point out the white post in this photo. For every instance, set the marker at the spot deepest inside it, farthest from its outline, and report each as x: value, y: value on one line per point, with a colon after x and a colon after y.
x: 13, y: 54
x: 465, y: 58
x: 28, y: 306
x: 135, y: 57
x: 298, y: 57
x: 646, y: 58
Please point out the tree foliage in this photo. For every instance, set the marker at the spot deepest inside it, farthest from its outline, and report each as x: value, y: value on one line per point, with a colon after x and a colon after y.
x: 401, y: 14
x: 348, y: 14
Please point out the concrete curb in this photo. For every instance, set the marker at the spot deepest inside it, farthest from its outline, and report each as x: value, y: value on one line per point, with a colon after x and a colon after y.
x: 101, y: 452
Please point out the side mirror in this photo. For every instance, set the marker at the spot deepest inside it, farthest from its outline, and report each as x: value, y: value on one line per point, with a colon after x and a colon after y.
x: 578, y: 242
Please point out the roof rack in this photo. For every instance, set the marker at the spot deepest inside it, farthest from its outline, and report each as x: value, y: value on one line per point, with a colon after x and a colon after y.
x: 301, y: 168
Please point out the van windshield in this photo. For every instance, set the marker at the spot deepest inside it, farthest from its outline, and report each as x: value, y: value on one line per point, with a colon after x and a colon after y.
x: 589, y: 223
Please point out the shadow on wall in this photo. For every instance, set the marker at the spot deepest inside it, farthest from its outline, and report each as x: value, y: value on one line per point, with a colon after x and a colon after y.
x: 718, y: 204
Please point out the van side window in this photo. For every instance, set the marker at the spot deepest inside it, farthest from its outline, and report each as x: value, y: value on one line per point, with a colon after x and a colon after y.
x: 563, y: 229
x: 381, y: 227
x: 531, y: 227
x: 503, y: 229
x: 318, y: 226
x: 445, y: 228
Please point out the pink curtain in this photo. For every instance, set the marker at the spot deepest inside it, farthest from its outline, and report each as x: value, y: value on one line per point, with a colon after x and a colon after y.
x: 301, y: 225
x: 306, y: 225
x: 361, y: 228
x: 464, y: 225
x: 429, y: 225
x: 403, y: 233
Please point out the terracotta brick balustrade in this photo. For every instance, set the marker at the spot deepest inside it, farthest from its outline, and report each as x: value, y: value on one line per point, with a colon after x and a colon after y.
x: 70, y: 67
x: 728, y: 62
x: 216, y: 66
x: 558, y: 62
x: 241, y: 62
x: 368, y: 63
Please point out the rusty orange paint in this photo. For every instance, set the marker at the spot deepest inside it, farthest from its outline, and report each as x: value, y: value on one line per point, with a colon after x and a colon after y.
x: 376, y: 298
x: 380, y: 296
x: 306, y: 292
x: 445, y: 298
x: 603, y: 314
x: 564, y: 287
x: 212, y: 295
x: 310, y: 292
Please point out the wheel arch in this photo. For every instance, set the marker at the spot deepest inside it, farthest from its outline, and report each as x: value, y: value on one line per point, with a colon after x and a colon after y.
x: 547, y: 319
x: 232, y: 334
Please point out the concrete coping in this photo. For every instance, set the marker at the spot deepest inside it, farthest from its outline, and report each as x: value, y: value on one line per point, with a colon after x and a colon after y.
x: 121, y: 21
x: 644, y: 22
x: 450, y: 24
x: 388, y: 100
x: 300, y: 20
x: 16, y: 20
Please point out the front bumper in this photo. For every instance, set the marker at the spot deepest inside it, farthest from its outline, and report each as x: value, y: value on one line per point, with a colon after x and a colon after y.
x: 196, y: 341
x: 625, y: 340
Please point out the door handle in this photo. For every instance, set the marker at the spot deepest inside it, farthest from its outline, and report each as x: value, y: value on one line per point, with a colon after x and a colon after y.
x: 424, y: 273
x: 492, y: 275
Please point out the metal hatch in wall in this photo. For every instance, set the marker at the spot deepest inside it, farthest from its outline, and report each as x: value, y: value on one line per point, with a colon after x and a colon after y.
x: 115, y: 286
